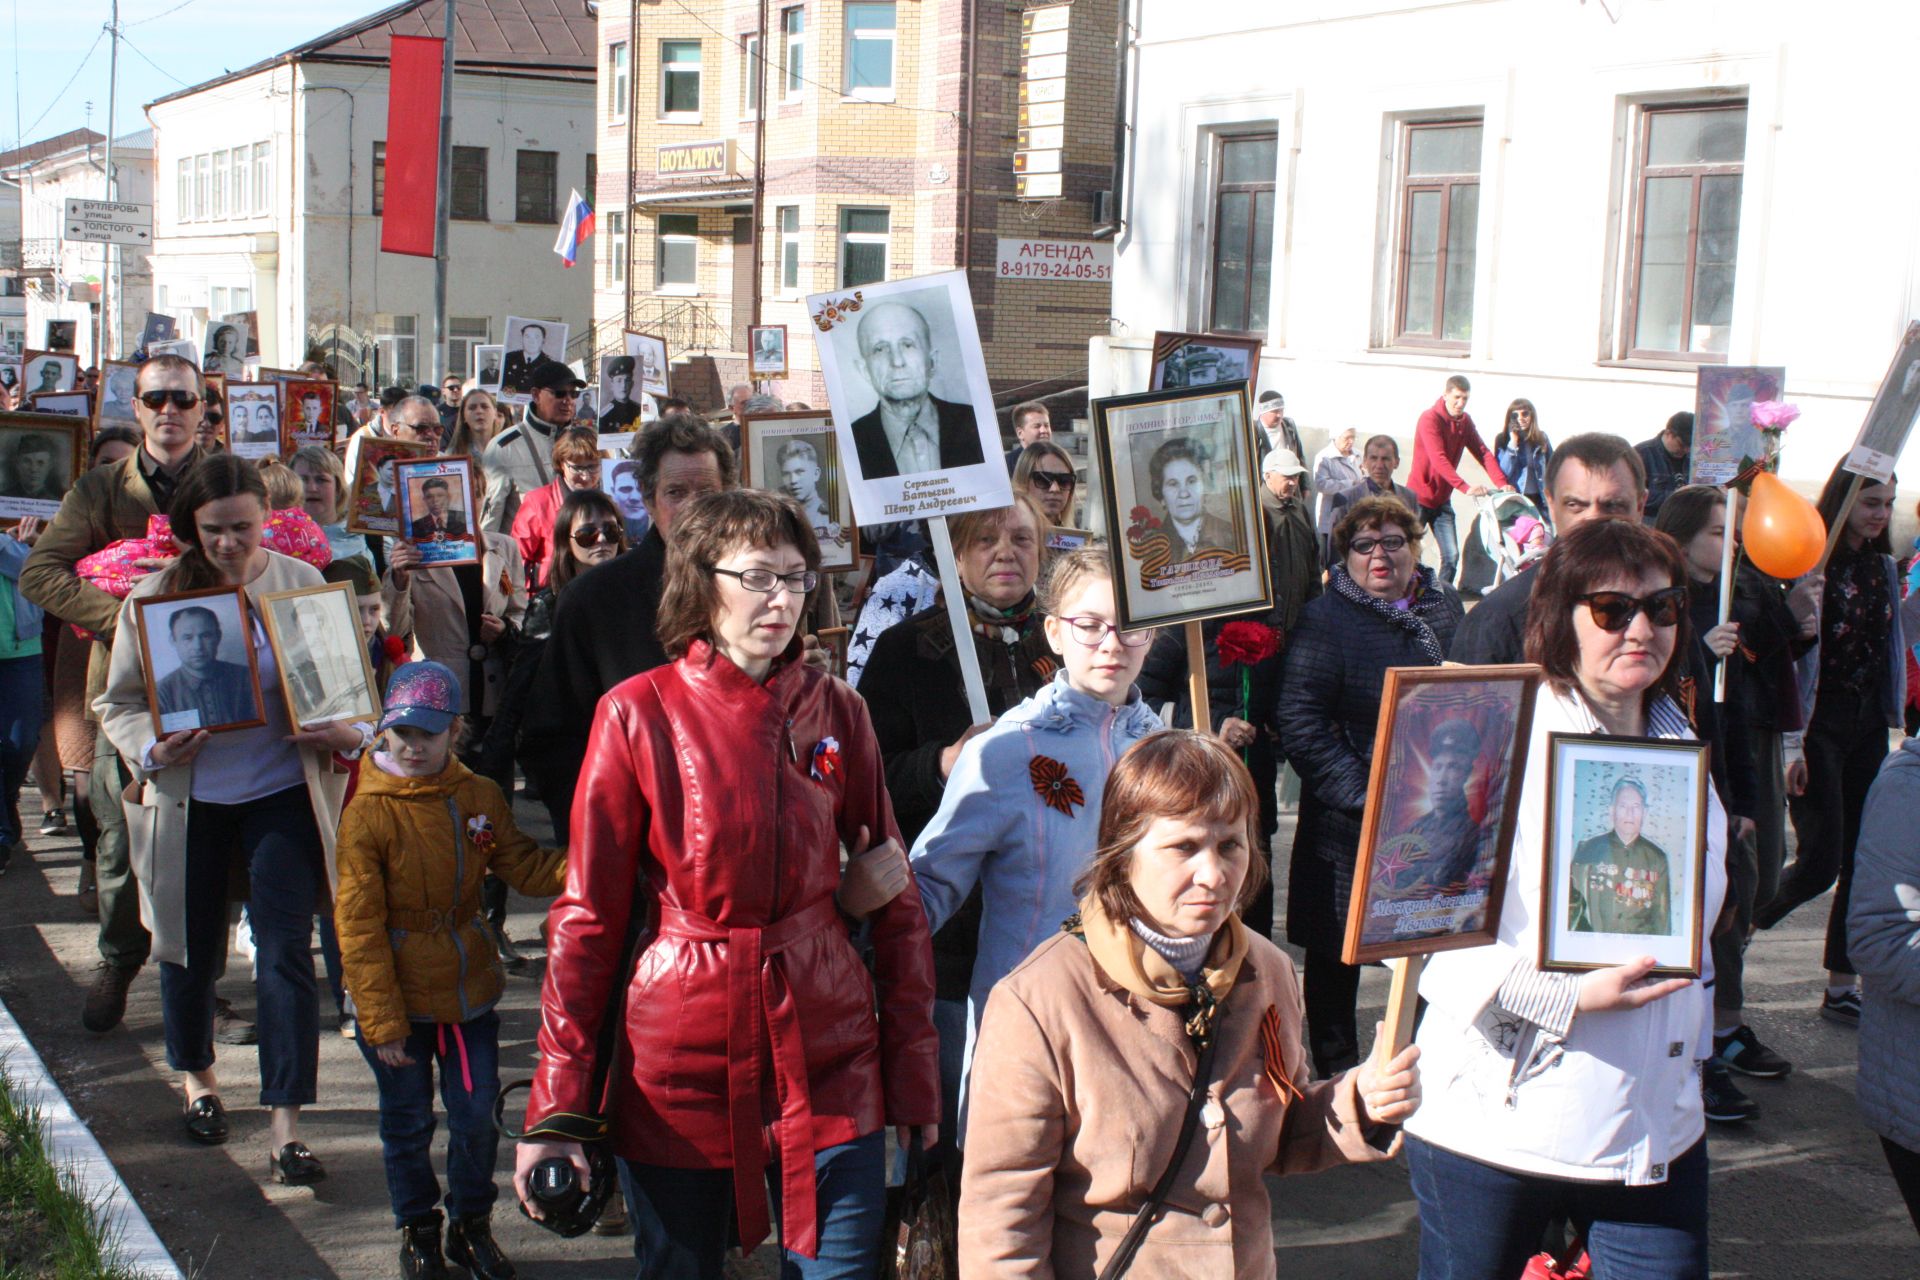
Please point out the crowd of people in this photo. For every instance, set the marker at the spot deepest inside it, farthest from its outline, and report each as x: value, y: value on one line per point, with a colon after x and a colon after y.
x: 796, y: 911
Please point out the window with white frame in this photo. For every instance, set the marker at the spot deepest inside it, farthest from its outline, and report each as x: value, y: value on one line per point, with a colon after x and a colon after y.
x: 679, y: 79
x: 678, y: 251
x: 396, y: 341
x: 464, y: 333
x: 793, y: 62
x: 869, y: 51
x: 616, y: 240
x: 262, y: 176
x: 789, y: 215
x: 863, y: 246
x: 1686, y: 226
x: 183, y: 191
x: 1439, y: 232
x: 219, y: 184
x: 751, y: 75
x: 239, y: 197
x: 619, y: 89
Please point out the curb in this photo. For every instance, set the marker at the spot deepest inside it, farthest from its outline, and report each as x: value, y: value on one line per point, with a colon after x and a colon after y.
x: 71, y: 1146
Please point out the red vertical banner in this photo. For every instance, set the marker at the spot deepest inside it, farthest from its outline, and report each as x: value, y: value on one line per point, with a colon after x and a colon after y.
x: 413, y: 145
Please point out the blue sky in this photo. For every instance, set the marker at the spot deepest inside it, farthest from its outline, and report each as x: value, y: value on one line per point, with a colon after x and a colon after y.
x: 182, y: 44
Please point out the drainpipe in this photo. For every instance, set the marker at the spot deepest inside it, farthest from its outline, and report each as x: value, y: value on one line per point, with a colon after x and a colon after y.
x: 633, y: 158
x: 963, y: 252
x: 759, y: 72
x: 1111, y: 225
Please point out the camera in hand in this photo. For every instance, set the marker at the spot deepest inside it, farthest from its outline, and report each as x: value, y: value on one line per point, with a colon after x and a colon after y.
x: 567, y: 1208
x: 556, y: 1186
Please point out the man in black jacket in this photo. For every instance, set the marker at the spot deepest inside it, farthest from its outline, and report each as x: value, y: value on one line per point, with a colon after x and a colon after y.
x: 1665, y: 459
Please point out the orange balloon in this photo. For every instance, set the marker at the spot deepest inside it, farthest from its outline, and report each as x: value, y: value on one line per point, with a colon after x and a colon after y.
x: 1783, y: 532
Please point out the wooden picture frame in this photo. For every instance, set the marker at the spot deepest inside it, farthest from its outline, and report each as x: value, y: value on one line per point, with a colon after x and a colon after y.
x: 115, y: 376
x: 263, y: 434
x: 62, y: 404
x: 326, y: 674
x: 652, y: 373
x: 1187, y: 360
x: 69, y: 437
x: 1443, y: 803
x: 1606, y: 900
x: 763, y: 366
x: 459, y: 541
x: 232, y: 610
x: 764, y: 437
x: 294, y: 432
x: 371, y: 507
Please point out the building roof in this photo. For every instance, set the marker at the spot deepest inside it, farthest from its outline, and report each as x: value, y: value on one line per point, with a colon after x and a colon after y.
x: 37, y: 151
x: 541, y: 39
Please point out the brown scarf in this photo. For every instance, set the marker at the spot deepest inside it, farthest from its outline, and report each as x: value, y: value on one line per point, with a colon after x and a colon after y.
x: 1123, y: 957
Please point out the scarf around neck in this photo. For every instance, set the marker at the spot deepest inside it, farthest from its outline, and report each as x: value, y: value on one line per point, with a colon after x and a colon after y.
x: 1412, y: 619
x: 1126, y: 958
x: 1005, y: 625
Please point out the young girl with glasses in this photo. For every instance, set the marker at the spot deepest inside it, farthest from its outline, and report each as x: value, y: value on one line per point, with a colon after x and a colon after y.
x: 1021, y: 810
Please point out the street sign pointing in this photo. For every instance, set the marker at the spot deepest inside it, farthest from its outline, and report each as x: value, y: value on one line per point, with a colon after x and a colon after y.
x: 109, y: 222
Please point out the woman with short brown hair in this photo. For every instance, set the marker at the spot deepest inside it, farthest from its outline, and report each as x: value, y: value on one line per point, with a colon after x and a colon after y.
x: 1091, y: 1051
x: 576, y: 469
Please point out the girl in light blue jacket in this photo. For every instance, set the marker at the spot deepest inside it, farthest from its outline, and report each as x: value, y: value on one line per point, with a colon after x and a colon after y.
x: 1021, y: 811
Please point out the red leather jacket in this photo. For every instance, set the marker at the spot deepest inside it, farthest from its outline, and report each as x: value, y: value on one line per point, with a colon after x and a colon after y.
x: 718, y: 805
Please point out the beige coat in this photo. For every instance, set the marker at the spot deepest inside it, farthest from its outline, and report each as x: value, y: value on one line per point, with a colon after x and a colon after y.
x: 156, y: 803
x: 1077, y: 1094
x: 431, y: 610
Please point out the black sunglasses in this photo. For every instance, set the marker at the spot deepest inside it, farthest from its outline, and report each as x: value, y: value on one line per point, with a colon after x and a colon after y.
x: 1615, y: 610
x: 1051, y: 479
x: 592, y: 535
x: 157, y: 400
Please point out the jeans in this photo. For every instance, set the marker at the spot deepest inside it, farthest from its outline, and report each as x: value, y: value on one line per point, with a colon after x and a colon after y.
x: 468, y: 1055
x: 683, y: 1218
x: 1446, y: 536
x: 277, y: 837
x: 22, y: 707
x: 1478, y: 1221
x: 124, y: 941
x: 950, y: 1023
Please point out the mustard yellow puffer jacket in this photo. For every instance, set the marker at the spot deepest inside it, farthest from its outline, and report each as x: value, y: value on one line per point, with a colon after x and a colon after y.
x: 412, y: 855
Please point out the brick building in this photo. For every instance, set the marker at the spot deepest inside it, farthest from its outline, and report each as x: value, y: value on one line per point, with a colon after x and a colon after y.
x: 859, y: 169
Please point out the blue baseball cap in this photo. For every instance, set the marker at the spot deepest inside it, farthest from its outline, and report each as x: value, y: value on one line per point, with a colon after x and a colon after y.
x: 423, y: 695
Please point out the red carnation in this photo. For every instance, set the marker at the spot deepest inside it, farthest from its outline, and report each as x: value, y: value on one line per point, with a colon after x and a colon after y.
x: 1245, y: 643
x: 396, y: 648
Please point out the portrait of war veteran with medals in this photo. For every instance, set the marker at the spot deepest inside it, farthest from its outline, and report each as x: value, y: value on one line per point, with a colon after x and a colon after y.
x: 1620, y: 878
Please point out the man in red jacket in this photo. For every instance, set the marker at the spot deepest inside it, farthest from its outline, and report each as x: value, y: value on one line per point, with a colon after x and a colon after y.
x: 1443, y: 434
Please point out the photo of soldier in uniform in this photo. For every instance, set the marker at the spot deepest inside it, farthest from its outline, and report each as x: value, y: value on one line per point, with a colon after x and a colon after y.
x: 308, y: 410
x: 373, y: 502
x: 768, y: 357
x: 44, y: 372
x: 436, y: 509
x: 531, y: 345
x: 797, y: 456
x: 650, y: 362
x: 1620, y: 878
x: 198, y: 653
x: 620, y: 409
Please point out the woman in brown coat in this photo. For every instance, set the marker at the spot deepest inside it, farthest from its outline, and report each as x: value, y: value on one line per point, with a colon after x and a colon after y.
x: 1088, y: 1051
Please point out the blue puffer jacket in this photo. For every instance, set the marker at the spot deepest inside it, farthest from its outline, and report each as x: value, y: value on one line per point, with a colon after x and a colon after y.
x: 1883, y: 941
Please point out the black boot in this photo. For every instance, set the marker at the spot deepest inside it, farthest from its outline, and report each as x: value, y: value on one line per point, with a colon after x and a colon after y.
x: 420, y: 1249
x: 470, y: 1245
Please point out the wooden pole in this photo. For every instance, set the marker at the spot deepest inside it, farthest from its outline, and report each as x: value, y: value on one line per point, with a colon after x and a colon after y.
x: 1403, y: 1000
x: 954, y: 593
x: 1197, y: 693
x: 1726, y: 590
x: 1839, y: 524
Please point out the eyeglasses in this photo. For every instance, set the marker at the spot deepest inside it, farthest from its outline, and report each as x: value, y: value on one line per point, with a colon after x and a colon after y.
x: 1390, y: 544
x: 157, y: 400
x: 1051, y: 479
x: 767, y: 581
x: 592, y: 535
x: 571, y: 393
x: 1615, y: 611
x: 581, y: 468
x: 1092, y: 632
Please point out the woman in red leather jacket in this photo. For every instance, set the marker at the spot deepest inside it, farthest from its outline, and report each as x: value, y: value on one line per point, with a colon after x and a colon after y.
x: 715, y: 797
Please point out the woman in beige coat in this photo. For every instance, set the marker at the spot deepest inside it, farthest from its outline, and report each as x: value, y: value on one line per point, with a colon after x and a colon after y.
x: 263, y: 800
x: 1088, y: 1051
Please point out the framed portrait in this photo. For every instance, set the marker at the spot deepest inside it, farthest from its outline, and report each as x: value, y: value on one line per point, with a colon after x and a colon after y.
x: 196, y: 652
x: 307, y: 408
x: 1061, y: 538
x: 531, y: 345
x: 437, y: 508
x: 44, y: 372
x: 1203, y: 359
x: 226, y: 348
x: 1626, y: 852
x: 65, y: 404
x: 1183, y: 504
x: 249, y: 324
x: 622, y: 406
x: 767, y: 350
x: 1890, y: 417
x: 10, y: 372
x: 221, y: 432
x: 487, y: 359
x: 158, y: 328
x: 253, y: 419
x: 1725, y: 441
x: 620, y: 480
x: 836, y: 640
x: 649, y: 352
x: 911, y: 402
x: 116, y: 399
x: 40, y: 456
x: 1443, y: 799
x: 797, y: 456
x: 325, y: 672
x: 186, y: 348
x: 373, y: 485
x: 61, y: 334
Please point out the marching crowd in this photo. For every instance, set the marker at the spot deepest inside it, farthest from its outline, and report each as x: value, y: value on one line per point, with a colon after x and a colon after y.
x: 796, y: 913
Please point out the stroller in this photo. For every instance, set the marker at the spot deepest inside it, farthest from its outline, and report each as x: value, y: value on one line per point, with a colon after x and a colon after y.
x: 1509, y: 533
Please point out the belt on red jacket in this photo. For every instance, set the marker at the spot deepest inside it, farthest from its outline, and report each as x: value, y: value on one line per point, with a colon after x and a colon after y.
x: 758, y: 996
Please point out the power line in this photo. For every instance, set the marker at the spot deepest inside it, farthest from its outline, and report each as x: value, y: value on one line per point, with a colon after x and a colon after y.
x: 150, y: 62
x: 156, y: 17
x: 85, y: 59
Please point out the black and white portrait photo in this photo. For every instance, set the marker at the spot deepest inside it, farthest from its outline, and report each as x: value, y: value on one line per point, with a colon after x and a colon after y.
x: 10, y: 372
x: 620, y: 408
x: 158, y: 328
x: 197, y: 648
x: 61, y: 334
x: 44, y: 372
x: 38, y: 462
x: 531, y: 345
x: 767, y: 351
x: 253, y: 419
x: 487, y: 360
x: 1202, y: 359
x: 620, y: 480
x: 226, y: 349
x: 186, y: 348
x: 649, y: 362
x: 797, y: 456
x: 324, y: 667
x: 1178, y: 480
x: 116, y: 396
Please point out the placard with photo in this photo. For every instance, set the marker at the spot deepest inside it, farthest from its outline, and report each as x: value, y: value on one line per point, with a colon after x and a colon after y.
x: 1182, y: 504
x: 1725, y: 441
x: 1626, y: 853
x: 115, y: 405
x: 159, y: 327
x: 186, y: 348
x: 1883, y: 435
x: 64, y: 404
x: 44, y: 372
x: 797, y: 456
x: 911, y: 402
x: 649, y: 354
x: 767, y: 351
x: 1203, y: 360
x: 488, y: 360
x: 307, y: 410
x: 62, y: 335
x: 437, y: 509
x: 622, y: 404
x: 325, y: 672
x: 196, y: 652
x: 40, y: 457
x: 373, y: 485
x: 253, y: 419
x: 531, y: 345
x: 620, y: 480
x: 226, y: 348
x: 10, y: 372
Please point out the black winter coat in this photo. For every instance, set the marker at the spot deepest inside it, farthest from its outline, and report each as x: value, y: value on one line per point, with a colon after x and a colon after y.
x: 1335, y: 665
x: 1163, y: 679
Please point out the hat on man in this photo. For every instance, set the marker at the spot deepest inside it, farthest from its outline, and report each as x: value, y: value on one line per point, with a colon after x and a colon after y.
x: 1454, y: 737
x: 424, y: 695
x: 554, y: 376
x: 1285, y: 461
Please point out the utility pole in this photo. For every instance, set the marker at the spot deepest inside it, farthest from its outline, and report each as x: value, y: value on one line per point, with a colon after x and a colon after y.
x: 101, y: 351
x: 442, y: 204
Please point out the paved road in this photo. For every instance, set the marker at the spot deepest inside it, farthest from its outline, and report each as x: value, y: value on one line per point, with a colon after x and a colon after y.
x: 1801, y: 1194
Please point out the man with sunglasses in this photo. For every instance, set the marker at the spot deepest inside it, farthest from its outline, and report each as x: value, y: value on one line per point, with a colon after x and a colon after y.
x: 105, y: 506
x: 516, y: 460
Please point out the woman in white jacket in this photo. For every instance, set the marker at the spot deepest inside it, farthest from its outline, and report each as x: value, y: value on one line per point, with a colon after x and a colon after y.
x: 1561, y: 1094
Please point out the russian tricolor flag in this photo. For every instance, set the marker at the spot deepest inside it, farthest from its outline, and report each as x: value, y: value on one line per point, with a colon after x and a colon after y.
x: 575, y: 226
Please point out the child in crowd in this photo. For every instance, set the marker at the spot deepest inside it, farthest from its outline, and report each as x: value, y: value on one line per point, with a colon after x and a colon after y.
x: 420, y: 835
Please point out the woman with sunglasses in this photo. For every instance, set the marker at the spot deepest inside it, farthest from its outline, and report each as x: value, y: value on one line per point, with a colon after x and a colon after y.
x: 1382, y: 608
x: 1046, y: 471
x: 1022, y: 806
x: 1574, y: 1095
x: 716, y: 795
x: 1523, y: 451
x: 576, y: 469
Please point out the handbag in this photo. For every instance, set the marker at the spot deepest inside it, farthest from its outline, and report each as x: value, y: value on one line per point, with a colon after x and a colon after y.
x: 1572, y: 1263
x: 919, y: 1238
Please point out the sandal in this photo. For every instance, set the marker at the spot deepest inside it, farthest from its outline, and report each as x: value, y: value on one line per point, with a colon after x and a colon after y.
x: 206, y: 1120
x: 296, y: 1166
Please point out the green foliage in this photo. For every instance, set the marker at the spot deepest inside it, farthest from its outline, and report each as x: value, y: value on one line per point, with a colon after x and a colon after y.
x: 48, y: 1229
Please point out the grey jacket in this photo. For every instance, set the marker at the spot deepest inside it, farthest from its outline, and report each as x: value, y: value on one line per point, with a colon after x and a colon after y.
x: 1883, y: 941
